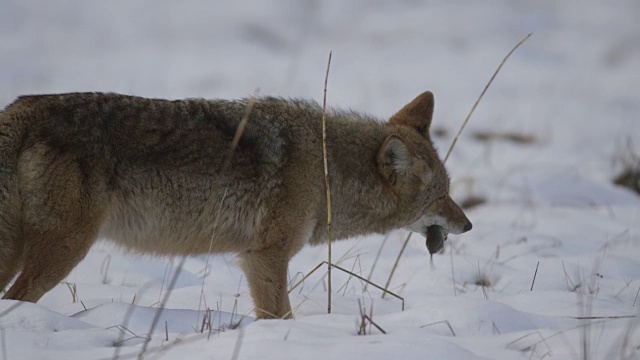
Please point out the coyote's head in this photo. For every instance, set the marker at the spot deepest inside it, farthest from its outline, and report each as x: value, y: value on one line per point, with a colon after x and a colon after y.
x: 410, y: 165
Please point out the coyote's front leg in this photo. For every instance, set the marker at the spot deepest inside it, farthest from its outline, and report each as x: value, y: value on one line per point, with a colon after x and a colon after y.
x: 266, y: 272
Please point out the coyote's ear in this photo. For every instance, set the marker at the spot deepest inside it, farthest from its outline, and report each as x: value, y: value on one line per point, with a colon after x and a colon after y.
x: 394, y: 159
x: 416, y: 114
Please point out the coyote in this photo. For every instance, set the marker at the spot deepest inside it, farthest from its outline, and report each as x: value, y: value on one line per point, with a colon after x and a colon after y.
x: 160, y: 177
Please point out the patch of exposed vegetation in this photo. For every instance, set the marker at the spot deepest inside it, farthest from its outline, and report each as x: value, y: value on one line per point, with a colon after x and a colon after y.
x: 514, y: 137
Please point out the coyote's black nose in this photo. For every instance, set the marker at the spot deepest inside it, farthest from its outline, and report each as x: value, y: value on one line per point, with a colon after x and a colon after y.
x: 467, y: 227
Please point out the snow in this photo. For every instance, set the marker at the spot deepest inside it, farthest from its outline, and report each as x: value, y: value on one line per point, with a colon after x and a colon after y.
x: 574, y: 86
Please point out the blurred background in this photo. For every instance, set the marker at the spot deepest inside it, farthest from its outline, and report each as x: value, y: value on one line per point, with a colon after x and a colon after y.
x: 582, y: 54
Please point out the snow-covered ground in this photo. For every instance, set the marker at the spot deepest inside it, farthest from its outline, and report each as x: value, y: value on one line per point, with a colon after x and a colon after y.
x: 574, y: 87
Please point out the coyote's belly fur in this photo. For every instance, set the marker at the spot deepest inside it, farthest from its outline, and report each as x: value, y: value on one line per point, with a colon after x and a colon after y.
x: 159, y: 177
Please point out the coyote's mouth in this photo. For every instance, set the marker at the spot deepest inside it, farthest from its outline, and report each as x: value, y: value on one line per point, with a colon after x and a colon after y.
x: 435, y: 238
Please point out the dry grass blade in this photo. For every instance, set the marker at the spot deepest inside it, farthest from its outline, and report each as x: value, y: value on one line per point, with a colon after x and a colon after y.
x: 160, y: 309
x: 11, y: 308
x: 73, y: 290
x: 326, y: 182
x: 206, y: 265
x: 305, y: 277
x: 395, y: 265
x: 3, y: 340
x: 534, y: 276
x: 384, y: 290
x: 352, y: 274
x: 345, y: 286
x: 104, y: 268
x: 482, y: 94
x: 166, y: 331
x: 483, y: 282
x: 125, y: 322
x: 465, y: 124
x: 446, y: 322
x: 367, y: 320
x: 362, y: 325
x: 206, y: 321
x: 453, y: 274
x: 543, y: 339
x: 238, y: 345
x: 124, y: 331
x: 164, y: 279
x: 375, y: 261
x: 232, y: 147
x: 243, y: 122
x: 611, y: 317
x: 524, y: 344
x: 374, y: 324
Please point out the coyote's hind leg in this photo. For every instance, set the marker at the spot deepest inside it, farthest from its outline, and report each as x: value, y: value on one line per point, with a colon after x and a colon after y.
x: 63, y: 207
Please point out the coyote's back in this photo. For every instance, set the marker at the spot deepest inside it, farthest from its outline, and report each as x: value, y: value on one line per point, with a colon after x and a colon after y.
x: 160, y: 177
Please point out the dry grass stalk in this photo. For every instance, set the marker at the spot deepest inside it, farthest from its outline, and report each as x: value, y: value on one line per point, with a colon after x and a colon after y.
x: 125, y: 331
x: 543, y: 339
x: 3, y: 340
x: 243, y: 122
x: 232, y: 148
x: 236, y: 348
x: 612, y: 317
x: 384, y: 291
x: 73, y: 290
x: 446, y: 322
x: 104, y: 268
x: 352, y: 274
x: 305, y: 277
x: 464, y: 124
x: 367, y: 320
x: 395, y: 265
x: 521, y: 343
x: 160, y: 309
x: 326, y: 182
x: 326, y: 174
x: 495, y: 329
x: 125, y: 323
x: 483, y: 282
x: 345, y: 286
x: 453, y: 274
x: 629, y: 159
x: 166, y: 331
x: 11, y: 308
x: 206, y: 321
x: 375, y: 261
x: 159, y: 351
x: 567, y: 279
x: 164, y: 279
x: 362, y: 324
x: 534, y: 276
x: 232, y: 324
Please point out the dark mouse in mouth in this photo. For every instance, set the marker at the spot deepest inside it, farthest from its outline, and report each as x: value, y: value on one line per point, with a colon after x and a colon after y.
x: 435, y: 239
